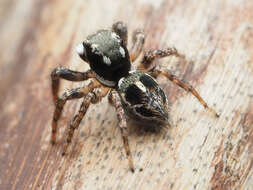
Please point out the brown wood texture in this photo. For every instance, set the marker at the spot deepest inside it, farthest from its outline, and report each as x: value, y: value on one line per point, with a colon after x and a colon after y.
x: 197, y: 152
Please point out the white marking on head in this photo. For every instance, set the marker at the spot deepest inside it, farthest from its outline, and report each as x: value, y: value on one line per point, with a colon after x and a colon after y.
x: 122, y: 51
x: 80, y: 49
x: 140, y: 86
x: 107, y: 60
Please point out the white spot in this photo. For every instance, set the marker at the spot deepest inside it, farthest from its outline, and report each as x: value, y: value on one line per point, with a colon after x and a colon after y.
x: 140, y: 86
x: 80, y: 49
x: 122, y: 51
x: 107, y: 60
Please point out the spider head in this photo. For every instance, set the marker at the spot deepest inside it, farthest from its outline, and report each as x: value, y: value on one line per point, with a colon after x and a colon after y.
x: 143, y: 99
x: 107, y: 56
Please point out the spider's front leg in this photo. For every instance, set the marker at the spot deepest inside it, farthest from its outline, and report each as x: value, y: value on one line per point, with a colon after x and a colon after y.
x: 69, y: 95
x: 114, y: 99
x: 92, y: 97
x: 138, y: 39
x: 120, y: 28
x: 151, y: 55
x: 67, y: 74
x: 187, y: 87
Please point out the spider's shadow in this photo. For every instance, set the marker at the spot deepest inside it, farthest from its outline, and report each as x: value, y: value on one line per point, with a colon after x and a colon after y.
x: 140, y: 130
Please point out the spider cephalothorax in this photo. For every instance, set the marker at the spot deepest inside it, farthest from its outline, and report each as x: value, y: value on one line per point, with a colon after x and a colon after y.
x: 107, y: 55
x: 135, y: 93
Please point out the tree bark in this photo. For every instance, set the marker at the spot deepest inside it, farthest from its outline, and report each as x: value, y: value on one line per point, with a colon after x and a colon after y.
x: 198, y: 151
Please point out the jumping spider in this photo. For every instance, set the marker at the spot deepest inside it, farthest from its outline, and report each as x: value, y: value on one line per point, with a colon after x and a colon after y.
x: 135, y: 93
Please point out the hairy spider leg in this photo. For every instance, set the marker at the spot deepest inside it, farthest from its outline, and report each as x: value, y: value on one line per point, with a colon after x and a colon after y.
x: 114, y: 99
x: 120, y: 28
x: 187, y: 87
x: 151, y: 55
x: 67, y: 74
x: 69, y: 95
x: 93, y: 97
x: 138, y: 39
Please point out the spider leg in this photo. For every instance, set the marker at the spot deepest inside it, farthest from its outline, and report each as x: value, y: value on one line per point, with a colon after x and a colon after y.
x: 115, y: 101
x: 67, y: 74
x: 92, y: 97
x: 120, y: 28
x: 69, y: 95
x: 138, y: 39
x: 184, y: 85
x: 151, y: 55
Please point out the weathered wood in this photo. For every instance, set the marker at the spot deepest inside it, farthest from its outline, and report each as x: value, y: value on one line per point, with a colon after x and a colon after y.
x: 197, y: 152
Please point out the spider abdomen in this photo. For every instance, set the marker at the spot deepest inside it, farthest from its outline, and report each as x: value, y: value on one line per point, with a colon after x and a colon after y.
x: 143, y: 99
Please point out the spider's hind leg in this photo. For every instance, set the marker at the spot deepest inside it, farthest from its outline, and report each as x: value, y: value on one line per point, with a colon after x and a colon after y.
x: 115, y: 101
x: 187, y: 87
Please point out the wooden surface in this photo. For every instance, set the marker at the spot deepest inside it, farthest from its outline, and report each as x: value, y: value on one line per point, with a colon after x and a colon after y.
x: 197, y: 152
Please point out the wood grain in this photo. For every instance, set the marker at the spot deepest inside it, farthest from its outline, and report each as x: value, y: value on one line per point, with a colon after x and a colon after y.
x: 197, y: 152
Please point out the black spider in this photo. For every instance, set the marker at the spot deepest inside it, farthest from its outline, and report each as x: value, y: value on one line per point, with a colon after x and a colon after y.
x: 135, y: 93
